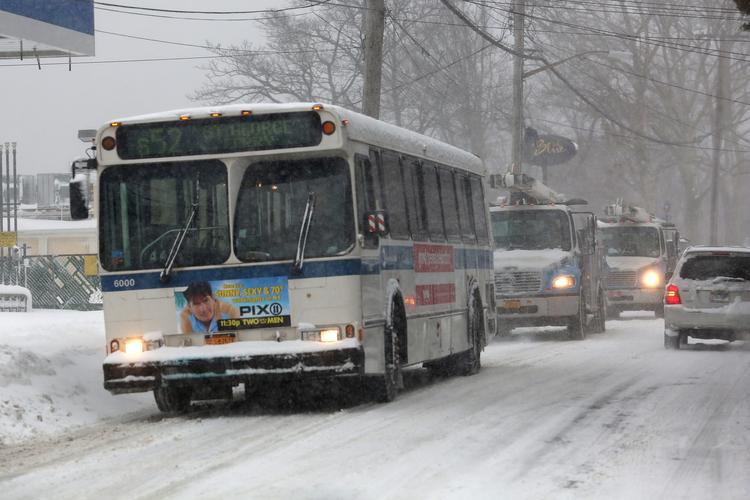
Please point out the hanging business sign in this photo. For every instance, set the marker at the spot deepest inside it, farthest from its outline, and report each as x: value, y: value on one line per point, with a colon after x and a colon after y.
x: 546, y: 150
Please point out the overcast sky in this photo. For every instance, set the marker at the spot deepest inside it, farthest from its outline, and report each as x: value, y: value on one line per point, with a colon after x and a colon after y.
x: 42, y: 110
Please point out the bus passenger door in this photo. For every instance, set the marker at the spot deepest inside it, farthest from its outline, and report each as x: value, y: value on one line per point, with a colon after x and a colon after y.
x: 369, y: 201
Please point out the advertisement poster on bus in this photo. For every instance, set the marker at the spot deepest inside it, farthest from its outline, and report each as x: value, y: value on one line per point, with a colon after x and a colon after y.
x: 229, y: 305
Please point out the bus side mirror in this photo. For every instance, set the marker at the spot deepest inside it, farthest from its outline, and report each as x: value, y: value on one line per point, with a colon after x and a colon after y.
x: 79, y: 203
x: 78, y: 188
x: 668, y: 276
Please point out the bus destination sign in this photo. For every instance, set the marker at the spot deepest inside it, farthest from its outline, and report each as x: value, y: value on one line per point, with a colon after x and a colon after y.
x: 218, y: 135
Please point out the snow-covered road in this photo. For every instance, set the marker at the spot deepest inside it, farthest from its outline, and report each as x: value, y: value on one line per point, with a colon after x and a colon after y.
x: 615, y: 416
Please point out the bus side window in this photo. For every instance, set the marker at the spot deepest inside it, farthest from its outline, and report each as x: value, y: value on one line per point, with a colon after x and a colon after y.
x: 368, y: 185
x: 450, y: 209
x: 393, y: 188
x: 374, y: 182
x: 465, y: 218
x: 479, y: 209
x: 431, y: 203
x: 413, y: 188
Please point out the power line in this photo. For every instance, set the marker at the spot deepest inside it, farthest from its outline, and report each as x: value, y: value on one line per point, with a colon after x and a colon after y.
x: 215, y: 12
x: 116, y: 61
x: 630, y: 137
x: 672, y: 118
x: 565, y: 81
x: 648, y: 41
x: 209, y: 47
x: 212, y: 19
x: 430, y: 73
x: 601, y: 7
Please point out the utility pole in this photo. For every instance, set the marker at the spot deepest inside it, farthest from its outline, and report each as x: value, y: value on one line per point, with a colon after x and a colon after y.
x: 722, y: 79
x: 519, y: 12
x: 375, y: 25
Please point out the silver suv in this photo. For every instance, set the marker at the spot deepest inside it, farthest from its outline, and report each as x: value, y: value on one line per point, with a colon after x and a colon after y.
x: 708, y: 297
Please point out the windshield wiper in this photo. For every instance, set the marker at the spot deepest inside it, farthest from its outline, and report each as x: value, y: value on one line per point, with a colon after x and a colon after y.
x: 304, y: 230
x: 166, y: 273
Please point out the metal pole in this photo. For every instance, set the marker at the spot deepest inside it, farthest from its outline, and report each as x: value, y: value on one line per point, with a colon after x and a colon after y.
x: 519, y: 11
x: 7, y: 179
x: 721, y: 79
x: 375, y: 25
x: 15, y: 192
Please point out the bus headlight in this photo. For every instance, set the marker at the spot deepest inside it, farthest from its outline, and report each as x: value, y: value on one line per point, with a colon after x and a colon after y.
x: 563, y: 281
x: 134, y: 346
x: 651, y: 279
x: 327, y: 334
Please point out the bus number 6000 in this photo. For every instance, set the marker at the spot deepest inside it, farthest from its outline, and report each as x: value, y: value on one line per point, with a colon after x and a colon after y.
x: 124, y: 283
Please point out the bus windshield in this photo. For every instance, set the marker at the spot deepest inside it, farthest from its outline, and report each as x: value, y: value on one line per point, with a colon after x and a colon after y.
x: 271, y: 205
x: 631, y: 241
x: 144, y: 208
x: 531, y: 229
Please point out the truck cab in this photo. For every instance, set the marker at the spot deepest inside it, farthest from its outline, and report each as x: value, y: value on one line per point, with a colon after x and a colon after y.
x: 640, y: 250
x: 547, y: 263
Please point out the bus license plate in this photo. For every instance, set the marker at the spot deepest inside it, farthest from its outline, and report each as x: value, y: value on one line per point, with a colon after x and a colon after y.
x: 512, y: 304
x: 219, y: 339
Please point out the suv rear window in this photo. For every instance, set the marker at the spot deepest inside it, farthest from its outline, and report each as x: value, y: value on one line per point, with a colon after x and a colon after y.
x: 707, y: 267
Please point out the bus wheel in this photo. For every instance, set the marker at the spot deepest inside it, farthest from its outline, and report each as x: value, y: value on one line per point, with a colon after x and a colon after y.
x: 172, y: 399
x: 577, y: 324
x: 468, y: 362
x: 473, y: 359
x: 385, y: 386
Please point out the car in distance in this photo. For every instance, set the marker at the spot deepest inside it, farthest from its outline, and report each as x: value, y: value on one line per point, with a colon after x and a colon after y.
x: 708, y: 297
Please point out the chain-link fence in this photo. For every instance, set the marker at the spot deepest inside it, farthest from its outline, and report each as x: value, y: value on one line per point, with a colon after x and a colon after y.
x: 55, y: 281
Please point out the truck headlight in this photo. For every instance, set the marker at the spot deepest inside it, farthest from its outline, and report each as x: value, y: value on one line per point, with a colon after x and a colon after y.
x: 651, y: 279
x: 563, y: 281
x: 134, y: 346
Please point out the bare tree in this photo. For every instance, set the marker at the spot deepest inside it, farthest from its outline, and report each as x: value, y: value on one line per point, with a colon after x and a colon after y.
x: 659, y: 77
x: 438, y: 78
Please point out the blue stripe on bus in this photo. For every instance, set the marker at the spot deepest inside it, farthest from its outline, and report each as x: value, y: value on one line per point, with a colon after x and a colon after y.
x: 392, y: 258
x: 182, y: 278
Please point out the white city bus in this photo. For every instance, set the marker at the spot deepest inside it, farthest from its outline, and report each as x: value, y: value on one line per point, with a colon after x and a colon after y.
x: 245, y: 243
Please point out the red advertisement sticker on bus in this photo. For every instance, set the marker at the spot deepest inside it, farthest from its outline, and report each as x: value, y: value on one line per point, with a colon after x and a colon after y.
x: 433, y: 258
x: 442, y: 293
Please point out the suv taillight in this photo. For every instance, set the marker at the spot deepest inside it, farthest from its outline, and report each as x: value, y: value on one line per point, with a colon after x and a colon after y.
x: 672, y: 296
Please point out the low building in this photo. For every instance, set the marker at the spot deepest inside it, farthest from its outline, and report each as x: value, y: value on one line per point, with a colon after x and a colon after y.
x: 57, y: 237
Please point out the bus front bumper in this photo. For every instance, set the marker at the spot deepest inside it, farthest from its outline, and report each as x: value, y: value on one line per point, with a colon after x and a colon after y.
x: 168, y: 366
x: 537, y: 310
x: 635, y: 299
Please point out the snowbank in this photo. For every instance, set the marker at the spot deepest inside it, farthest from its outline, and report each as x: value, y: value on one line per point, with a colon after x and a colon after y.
x: 51, y: 375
